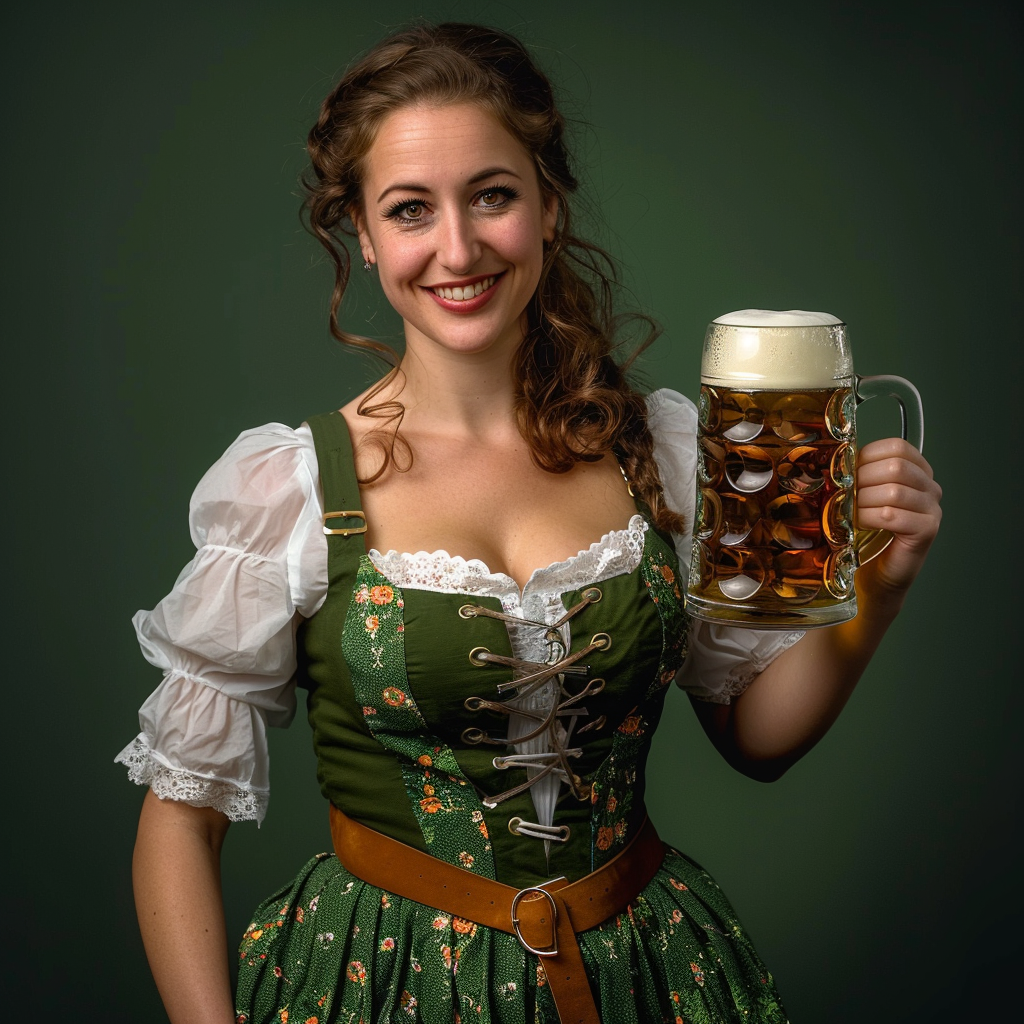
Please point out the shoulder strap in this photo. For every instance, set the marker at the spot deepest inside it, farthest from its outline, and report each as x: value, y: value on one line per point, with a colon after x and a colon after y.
x: 343, y: 522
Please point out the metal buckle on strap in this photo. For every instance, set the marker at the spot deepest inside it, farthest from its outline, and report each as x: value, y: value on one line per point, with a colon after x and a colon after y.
x: 553, y: 951
x: 345, y: 531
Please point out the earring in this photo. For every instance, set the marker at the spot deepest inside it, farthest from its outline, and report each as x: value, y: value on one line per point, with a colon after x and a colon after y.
x: 367, y: 266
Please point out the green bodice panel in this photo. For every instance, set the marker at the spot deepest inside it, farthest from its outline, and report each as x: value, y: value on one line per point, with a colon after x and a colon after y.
x: 389, y: 673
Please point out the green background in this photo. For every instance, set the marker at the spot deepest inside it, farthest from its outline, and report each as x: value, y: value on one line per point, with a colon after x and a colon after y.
x: 160, y: 296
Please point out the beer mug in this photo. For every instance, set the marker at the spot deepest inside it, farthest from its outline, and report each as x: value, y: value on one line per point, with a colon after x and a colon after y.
x: 774, y: 542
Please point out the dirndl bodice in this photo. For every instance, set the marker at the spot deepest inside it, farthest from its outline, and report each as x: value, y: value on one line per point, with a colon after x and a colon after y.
x: 513, y: 747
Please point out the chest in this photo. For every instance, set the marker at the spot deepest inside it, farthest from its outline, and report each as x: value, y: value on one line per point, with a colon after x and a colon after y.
x: 495, y: 505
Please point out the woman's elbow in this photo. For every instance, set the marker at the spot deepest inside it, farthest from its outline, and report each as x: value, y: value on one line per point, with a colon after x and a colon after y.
x: 761, y: 770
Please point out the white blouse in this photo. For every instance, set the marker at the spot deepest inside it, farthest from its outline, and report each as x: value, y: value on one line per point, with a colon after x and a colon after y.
x: 225, y: 634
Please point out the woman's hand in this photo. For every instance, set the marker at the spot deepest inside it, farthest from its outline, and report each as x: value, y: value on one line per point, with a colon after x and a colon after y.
x: 896, y: 491
x: 795, y: 700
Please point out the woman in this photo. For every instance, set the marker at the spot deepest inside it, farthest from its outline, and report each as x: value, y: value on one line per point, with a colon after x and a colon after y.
x: 480, y: 723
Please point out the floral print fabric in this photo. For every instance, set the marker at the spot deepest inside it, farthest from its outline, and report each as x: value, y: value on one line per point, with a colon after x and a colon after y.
x: 331, y: 949
x: 442, y: 799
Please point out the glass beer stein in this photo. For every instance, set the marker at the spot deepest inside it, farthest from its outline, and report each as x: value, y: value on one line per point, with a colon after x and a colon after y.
x: 774, y: 541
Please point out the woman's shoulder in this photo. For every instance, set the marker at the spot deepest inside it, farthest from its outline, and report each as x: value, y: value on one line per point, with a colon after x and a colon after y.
x: 669, y: 411
x: 672, y: 420
x: 265, y: 481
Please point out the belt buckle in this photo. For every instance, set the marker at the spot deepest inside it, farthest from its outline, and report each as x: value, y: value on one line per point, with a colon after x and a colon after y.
x: 554, y: 919
x: 345, y: 531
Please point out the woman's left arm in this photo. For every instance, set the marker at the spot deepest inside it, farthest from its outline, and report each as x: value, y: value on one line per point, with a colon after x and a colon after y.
x: 795, y: 700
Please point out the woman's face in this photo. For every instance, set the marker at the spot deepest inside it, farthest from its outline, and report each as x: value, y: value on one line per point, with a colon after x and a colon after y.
x: 454, y: 218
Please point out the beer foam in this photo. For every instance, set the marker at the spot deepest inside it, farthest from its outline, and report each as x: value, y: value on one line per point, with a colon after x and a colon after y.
x: 777, y: 318
x: 776, y: 349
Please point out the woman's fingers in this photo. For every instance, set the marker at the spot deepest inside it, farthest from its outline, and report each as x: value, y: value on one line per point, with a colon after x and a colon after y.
x: 894, y: 478
x: 896, y: 491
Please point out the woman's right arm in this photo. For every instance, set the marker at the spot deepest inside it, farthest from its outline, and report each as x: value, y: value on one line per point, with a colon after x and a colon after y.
x: 176, y: 873
x: 225, y: 639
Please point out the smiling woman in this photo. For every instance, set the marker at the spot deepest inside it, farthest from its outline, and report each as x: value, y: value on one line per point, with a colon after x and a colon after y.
x: 456, y: 227
x: 474, y: 569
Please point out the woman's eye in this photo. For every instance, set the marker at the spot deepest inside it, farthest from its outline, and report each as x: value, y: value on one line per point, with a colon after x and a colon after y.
x: 492, y: 199
x: 406, y: 213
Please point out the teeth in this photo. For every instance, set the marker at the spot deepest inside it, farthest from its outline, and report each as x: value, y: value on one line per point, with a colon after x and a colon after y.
x: 470, y: 291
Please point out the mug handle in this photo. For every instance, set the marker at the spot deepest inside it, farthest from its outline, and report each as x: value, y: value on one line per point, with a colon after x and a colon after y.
x: 869, y: 543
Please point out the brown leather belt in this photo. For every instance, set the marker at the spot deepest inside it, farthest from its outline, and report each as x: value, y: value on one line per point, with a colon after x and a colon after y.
x: 544, y: 918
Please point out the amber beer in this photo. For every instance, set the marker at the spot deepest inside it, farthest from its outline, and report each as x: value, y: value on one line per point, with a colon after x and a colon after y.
x: 773, y: 531
x: 774, y: 543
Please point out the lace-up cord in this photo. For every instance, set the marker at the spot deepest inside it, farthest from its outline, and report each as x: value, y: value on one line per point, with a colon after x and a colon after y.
x: 536, y: 674
x: 474, y: 736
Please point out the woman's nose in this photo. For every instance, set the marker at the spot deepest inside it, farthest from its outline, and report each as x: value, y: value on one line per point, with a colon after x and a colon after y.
x: 458, y: 244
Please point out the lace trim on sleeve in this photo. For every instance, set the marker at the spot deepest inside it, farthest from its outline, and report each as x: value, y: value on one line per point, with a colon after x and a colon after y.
x: 731, y: 688
x: 236, y: 803
x: 728, y: 673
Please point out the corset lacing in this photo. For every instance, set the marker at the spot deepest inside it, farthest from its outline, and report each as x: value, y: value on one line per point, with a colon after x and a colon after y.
x: 564, y: 705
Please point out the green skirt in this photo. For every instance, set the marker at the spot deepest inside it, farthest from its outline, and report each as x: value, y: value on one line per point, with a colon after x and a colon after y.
x: 330, y: 949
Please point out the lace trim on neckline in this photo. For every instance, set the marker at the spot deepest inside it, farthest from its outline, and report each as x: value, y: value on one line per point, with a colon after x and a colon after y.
x: 198, y: 790
x: 618, y: 552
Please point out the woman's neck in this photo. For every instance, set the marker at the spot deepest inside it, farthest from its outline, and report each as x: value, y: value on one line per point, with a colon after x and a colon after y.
x: 457, y: 393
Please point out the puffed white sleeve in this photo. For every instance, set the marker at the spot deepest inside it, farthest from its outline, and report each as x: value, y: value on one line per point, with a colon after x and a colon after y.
x: 722, y: 660
x: 225, y: 634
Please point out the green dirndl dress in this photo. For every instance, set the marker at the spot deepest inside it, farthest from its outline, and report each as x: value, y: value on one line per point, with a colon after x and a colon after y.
x: 395, y: 706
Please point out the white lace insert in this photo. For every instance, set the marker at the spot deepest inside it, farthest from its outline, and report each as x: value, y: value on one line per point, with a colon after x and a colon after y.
x: 616, y: 553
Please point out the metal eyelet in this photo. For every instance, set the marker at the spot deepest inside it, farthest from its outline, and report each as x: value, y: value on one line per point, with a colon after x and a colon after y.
x: 592, y: 594
x: 473, y: 736
x: 499, y: 763
x: 475, y: 659
x: 602, y: 641
x: 468, y: 611
x: 473, y: 703
x: 513, y: 825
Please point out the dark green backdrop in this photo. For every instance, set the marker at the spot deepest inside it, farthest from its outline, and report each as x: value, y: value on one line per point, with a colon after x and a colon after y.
x: 161, y: 297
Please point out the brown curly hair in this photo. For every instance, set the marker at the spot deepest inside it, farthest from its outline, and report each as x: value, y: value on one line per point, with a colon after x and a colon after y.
x: 573, y: 402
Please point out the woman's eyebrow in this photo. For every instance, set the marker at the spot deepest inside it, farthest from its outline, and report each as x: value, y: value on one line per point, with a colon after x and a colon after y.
x: 410, y: 187
x: 400, y: 187
x: 490, y: 173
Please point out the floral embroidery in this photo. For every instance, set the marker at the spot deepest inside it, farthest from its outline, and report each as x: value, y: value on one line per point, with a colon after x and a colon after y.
x: 615, y: 797
x: 374, y: 647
